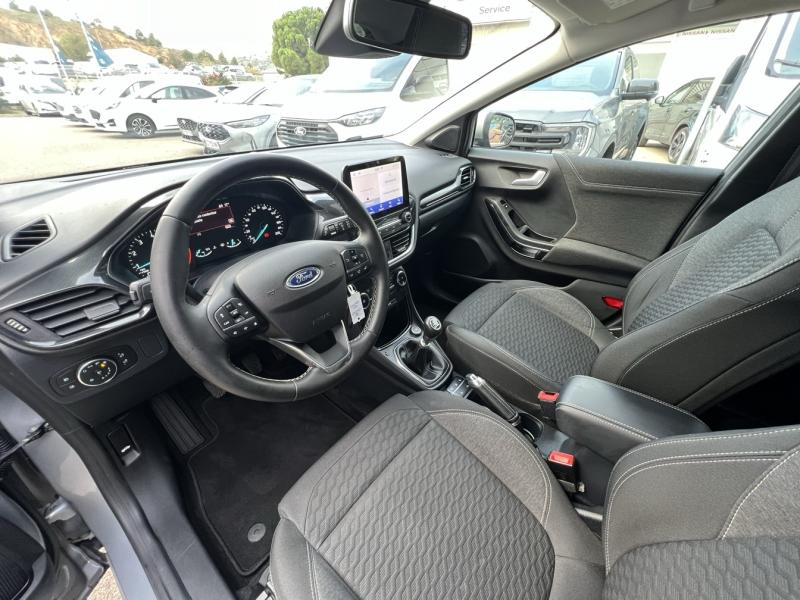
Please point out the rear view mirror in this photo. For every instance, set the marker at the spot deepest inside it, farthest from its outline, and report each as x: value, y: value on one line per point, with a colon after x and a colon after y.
x: 641, y: 89
x: 408, y: 26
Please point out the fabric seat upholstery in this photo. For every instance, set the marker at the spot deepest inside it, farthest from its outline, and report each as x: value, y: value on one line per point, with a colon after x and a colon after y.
x: 433, y: 497
x: 524, y: 336
x: 715, y: 313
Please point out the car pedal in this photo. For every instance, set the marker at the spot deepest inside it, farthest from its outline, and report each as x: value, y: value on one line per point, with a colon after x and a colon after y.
x: 178, y: 426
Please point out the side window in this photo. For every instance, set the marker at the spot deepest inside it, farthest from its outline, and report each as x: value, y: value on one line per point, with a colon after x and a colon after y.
x: 429, y: 79
x: 173, y: 92
x: 700, y: 96
x: 134, y: 88
x: 193, y: 93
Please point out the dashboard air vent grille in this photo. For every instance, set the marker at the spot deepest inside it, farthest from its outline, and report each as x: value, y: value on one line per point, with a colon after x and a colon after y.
x: 400, y: 243
x: 78, y: 310
x: 28, y: 237
x: 466, y: 176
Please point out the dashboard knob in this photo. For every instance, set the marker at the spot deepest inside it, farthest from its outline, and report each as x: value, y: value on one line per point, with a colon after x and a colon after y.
x: 407, y: 216
x: 97, y: 372
x: 401, y: 278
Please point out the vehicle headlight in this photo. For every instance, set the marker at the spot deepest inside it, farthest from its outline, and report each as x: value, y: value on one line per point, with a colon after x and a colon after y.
x: 245, y: 123
x: 742, y: 127
x: 364, y: 117
x: 115, y: 105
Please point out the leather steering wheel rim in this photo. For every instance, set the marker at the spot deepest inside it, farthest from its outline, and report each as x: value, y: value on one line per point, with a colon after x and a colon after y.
x: 190, y: 326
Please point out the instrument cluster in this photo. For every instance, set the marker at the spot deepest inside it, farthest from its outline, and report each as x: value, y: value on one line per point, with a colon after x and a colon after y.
x: 247, y: 218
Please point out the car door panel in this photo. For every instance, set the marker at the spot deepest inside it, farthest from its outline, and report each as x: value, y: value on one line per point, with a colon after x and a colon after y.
x: 562, y: 219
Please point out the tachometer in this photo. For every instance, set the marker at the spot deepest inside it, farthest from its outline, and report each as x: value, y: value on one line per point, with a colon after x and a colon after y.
x: 263, y: 225
x: 138, y: 252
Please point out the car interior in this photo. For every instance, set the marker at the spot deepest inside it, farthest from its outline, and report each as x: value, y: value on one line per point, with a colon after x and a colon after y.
x: 415, y: 366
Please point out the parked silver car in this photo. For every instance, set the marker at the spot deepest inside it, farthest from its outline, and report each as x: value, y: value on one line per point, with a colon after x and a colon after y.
x: 237, y: 124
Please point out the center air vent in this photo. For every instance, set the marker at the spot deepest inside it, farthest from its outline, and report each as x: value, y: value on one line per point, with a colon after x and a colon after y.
x: 78, y: 310
x: 27, y: 238
x: 400, y: 243
x: 466, y: 176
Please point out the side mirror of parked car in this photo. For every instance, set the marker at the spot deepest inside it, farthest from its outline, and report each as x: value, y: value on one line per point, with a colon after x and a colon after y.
x: 659, y: 100
x: 408, y: 26
x: 641, y: 89
x: 500, y: 130
x: 154, y: 100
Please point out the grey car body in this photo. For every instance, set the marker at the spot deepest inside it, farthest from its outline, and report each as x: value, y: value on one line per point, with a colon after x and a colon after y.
x: 671, y: 116
x: 596, y: 108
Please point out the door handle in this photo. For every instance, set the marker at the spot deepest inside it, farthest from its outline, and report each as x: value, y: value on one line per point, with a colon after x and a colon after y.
x: 535, y: 179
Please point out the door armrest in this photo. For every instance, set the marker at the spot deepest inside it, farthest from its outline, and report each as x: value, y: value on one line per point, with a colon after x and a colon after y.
x: 610, y: 420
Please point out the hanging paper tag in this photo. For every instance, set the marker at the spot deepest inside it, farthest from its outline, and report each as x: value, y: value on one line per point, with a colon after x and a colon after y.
x: 354, y: 304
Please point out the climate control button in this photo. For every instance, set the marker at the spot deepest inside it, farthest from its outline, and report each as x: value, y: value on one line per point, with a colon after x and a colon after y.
x: 97, y: 371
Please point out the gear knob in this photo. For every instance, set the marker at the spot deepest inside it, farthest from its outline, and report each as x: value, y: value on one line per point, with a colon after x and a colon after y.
x: 431, y: 329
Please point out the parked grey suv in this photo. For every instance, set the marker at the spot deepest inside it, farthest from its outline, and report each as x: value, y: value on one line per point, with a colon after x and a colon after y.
x: 596, y: 108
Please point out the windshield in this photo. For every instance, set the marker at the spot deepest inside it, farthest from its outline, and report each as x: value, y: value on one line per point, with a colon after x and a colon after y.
x: 596, y: 75
x: 147, y: 75
x: 358, y: 75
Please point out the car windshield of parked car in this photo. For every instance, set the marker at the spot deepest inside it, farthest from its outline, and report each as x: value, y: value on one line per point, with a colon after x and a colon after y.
x: 144, y: 86
x: 595, y: 75
x: 356, y: 75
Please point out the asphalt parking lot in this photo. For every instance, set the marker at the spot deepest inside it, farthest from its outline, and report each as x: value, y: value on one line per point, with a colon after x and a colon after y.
x: 35, y: 147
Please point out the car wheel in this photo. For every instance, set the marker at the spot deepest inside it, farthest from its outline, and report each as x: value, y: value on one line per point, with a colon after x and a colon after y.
x: 677, y: 143
x: 141, y: 126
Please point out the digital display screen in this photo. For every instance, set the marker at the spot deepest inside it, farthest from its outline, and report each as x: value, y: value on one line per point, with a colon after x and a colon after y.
x: 215, y: 233
x: 380, y: 186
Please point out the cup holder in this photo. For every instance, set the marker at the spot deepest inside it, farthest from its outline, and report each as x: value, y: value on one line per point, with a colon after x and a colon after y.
x: 531, y: 426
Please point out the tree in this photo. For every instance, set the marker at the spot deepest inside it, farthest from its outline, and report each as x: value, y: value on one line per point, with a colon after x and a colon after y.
x: 47, y: 13
x: 221, y: 59
x: 234, y: 61
x: 291, y: 42
x: 74, y: 45
x: 187, y: 55
x: 153, y: 41
x: 204, y: 57
x: 13, y: 6
x: 139, y: 35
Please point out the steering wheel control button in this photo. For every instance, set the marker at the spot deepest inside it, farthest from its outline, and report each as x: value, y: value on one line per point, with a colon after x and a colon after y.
x: 97, y: 371
x: 235, y: 318
x: 356, y: 262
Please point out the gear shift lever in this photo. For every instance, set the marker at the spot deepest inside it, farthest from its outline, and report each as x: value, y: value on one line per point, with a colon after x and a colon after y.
x: 431, y: 329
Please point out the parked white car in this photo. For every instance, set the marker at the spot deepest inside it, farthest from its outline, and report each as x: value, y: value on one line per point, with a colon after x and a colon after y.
x: 155, y: 108
x: 42, y: 96
x: 245, y: 119
x: 88, y: 106
x: 359, y: 98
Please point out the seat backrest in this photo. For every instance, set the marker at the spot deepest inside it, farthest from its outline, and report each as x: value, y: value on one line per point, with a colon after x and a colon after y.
x: 715, y: 516
x: 717, y: 311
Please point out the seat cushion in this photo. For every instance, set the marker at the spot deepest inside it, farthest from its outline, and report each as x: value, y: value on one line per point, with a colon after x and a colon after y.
x: 432, y: 496
x: 523, y: 337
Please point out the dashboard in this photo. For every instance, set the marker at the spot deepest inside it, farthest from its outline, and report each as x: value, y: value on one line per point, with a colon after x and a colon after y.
x: 69, y: 305
x: 249, y: 217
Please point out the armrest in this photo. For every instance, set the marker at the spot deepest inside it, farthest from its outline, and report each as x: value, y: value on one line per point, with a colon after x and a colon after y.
x: 610, y: 420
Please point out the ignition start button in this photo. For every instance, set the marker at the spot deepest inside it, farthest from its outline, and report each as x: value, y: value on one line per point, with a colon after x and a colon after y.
x: 97, y: 372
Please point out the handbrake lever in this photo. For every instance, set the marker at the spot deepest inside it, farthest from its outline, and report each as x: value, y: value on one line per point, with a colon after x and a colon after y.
x: 493, y: 399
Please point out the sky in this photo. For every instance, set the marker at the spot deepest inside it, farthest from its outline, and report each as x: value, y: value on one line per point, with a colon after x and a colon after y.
x: 236, y: 27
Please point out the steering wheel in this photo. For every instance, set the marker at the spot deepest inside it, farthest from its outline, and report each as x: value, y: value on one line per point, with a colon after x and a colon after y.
x: 289, y: 295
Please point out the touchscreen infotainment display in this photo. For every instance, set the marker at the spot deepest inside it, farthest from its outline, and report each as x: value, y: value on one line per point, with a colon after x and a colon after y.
x: 380, y: 185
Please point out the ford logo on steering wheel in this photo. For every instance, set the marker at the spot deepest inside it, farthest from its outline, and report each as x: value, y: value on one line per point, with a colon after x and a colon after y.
x: 303, y: 277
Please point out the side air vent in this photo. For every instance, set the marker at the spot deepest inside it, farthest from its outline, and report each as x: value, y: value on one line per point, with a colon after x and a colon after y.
x: 27, y: 238
x: 78, y: 310
x: 466, y: 176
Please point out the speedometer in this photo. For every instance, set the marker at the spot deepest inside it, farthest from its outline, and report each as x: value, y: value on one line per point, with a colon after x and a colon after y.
x: 138, y: 252
x: 263, y: 225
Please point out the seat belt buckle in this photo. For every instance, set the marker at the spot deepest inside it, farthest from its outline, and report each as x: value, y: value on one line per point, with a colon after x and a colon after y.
x: 565, y: 468
x: 547, y: 400
x: 614, y: 302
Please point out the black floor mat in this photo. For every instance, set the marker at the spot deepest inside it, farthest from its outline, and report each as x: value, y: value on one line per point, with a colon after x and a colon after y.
x: 257, y: 453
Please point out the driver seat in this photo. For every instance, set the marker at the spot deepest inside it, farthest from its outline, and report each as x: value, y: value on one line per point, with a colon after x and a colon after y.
x: 434, y: 497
